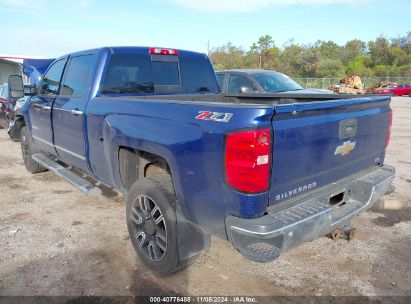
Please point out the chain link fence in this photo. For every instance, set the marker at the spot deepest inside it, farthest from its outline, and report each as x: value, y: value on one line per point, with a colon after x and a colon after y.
x: 324, y: 83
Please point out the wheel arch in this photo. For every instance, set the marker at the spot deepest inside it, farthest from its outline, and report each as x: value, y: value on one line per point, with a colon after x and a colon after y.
x: 135, y: 164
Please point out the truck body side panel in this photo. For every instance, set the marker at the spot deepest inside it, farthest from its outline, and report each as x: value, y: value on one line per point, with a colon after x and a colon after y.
x: 193, y: 148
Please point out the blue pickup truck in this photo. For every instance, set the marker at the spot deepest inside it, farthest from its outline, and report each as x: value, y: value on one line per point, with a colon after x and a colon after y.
x: 266, y: 173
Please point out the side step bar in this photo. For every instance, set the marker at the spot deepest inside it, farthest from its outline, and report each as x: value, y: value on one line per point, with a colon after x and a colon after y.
x: 69, y: 176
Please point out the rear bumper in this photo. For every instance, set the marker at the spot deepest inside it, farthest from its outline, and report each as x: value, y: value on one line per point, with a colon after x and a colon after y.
x: 309, y: 217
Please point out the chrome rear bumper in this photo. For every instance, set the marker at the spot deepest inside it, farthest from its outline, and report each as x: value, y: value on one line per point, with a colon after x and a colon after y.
x: 309, y: 217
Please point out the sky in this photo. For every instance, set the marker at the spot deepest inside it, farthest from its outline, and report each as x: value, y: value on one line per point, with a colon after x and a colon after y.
x: 54, y: 28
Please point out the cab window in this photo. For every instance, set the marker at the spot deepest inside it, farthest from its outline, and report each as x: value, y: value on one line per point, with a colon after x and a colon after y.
x: 238, y: 81
x: 220, y: 79
x: 51, y: 81
x: 78, y: 75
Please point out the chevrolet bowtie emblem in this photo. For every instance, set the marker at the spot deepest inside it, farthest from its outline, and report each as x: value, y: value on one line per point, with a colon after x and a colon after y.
x: 345, y: 148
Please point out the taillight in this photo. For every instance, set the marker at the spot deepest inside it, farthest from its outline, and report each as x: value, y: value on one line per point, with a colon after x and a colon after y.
x: 248, y: 160
x: 160, y: 51
x: 387, y: 140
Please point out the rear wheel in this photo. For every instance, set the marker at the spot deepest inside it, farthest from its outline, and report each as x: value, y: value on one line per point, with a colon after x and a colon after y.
x: 28, y: 148
x: 152, y: 224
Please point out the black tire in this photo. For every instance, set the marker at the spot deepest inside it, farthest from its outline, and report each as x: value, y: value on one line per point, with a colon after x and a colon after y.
x: 28, y: 148
x: 151, y: 192
x: 15, y: 132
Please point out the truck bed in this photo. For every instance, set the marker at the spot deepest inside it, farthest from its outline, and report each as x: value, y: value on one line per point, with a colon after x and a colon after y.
x: 252, y: 98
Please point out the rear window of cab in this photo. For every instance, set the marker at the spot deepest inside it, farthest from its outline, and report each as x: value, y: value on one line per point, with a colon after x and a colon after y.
x: 139, y: 74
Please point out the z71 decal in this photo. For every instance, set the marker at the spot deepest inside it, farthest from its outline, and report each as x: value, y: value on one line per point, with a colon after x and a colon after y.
x: 214, y: 116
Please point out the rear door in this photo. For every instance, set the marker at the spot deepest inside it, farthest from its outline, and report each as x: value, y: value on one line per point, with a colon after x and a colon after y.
x: 41, y: 104
x: 318, y: 143
x: 69, y: 110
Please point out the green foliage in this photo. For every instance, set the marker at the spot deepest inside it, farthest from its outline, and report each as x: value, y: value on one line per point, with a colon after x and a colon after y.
x: 352, y: 49
x: 380, y: 57
x: 263, y: 53
x: 360, y: 66
x: 330, y: 68
x: 381, y: 70
x: 228, y: 56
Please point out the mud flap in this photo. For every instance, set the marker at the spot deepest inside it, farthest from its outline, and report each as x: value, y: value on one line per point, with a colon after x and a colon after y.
x: 191, y: 239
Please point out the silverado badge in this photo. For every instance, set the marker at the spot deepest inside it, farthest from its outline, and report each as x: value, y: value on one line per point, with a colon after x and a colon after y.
x: 345, y: 148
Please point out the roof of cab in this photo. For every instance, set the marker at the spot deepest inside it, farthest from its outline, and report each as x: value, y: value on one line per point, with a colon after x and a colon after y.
x: 247, y: 71
x: 132, y: 50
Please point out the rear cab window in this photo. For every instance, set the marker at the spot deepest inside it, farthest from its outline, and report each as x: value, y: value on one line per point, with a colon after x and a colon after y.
x: 77, y: 75
x: 158, y: 74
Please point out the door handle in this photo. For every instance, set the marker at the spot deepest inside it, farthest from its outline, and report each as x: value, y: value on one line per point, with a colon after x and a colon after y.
x: 46, y: 107
x: 76, y: 112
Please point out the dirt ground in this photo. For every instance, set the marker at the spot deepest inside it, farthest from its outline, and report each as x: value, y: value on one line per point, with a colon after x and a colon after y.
x: 56, y: 241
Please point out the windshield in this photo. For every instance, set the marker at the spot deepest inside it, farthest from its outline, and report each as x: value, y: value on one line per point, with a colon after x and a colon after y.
x: 274, y: 82
x: 137, y: 73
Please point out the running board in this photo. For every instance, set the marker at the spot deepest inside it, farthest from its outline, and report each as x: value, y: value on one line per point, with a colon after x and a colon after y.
x: 69, y: 176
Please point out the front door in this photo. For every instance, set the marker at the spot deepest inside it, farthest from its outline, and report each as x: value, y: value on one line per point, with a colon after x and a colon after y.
x: 41, y: 105
x: 69, y: 110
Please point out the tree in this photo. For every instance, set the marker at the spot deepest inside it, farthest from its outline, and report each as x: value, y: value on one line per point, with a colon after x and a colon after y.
x: 263, y: 48
x: 329, y: 50
x: 310, y: 58
x: 330, y: 68
x: 403, y: 42
x: 228, y: 56
x: 380, y: 57
x: 381, y: 70
x: 291, y: 60
x: 352, y: 49
x: 380, y: 51
x: 359, y: 66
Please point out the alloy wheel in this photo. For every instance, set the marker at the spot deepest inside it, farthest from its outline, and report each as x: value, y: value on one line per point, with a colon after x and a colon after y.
x: 149, y: 228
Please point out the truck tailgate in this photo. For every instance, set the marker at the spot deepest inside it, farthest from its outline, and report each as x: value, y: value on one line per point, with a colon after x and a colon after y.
x: 318, y: 143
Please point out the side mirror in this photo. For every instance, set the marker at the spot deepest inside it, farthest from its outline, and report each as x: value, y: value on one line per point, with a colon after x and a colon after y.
x: 246, y: 90
x: 30, y: 90
x: 16, y: 88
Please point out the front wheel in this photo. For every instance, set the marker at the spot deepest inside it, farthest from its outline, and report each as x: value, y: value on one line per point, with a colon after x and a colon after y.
x: 28, y: 149
x: 152, y: 224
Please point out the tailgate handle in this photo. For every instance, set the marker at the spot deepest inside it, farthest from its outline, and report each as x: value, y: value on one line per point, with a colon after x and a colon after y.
x: 348, y: 128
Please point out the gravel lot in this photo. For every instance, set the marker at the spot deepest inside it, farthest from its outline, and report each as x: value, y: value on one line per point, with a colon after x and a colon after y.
x: 56, y: 241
